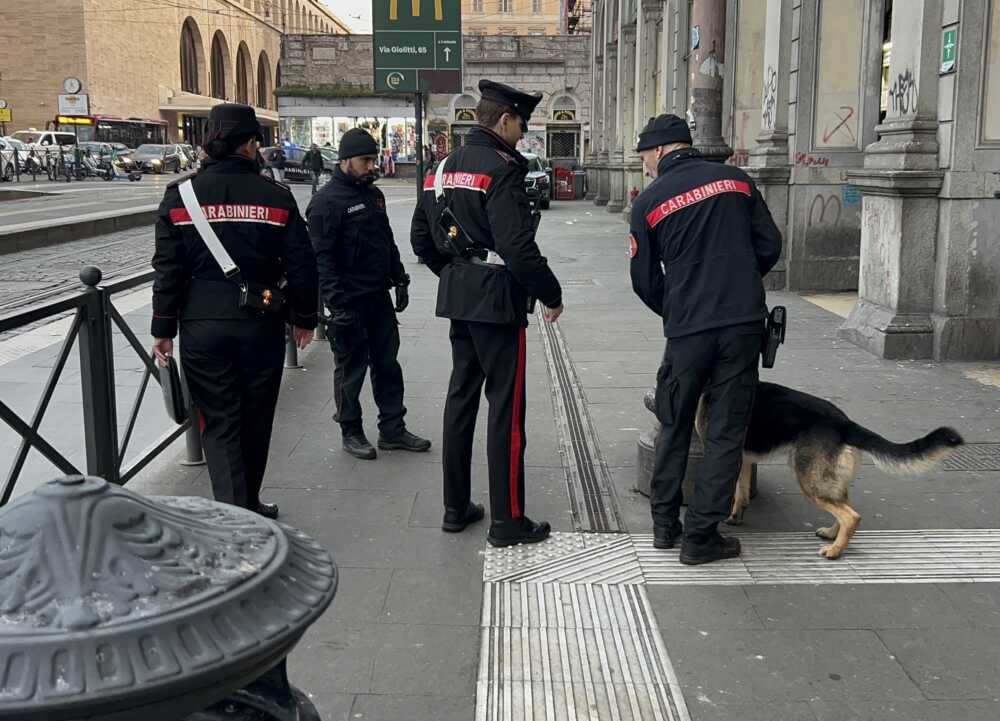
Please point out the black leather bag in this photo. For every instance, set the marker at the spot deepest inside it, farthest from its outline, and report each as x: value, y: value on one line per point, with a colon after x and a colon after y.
x: 175, y: 394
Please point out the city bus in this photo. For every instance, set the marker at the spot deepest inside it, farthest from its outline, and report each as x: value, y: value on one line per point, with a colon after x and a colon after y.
x: 133, y: 132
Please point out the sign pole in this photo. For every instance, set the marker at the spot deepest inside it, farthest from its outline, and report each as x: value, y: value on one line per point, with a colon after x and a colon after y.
x: 418, y: 105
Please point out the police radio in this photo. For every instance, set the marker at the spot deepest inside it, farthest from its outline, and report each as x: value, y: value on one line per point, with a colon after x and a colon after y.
x: 774, y: 335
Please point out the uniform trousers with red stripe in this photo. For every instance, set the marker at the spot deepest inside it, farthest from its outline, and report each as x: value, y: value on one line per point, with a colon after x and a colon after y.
x: 494, y: 355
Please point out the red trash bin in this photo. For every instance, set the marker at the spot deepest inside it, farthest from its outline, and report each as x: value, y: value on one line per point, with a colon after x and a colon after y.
x: 564, y: 184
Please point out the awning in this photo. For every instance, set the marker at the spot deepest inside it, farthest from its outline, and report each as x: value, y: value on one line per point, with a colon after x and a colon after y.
x: 200, y: 105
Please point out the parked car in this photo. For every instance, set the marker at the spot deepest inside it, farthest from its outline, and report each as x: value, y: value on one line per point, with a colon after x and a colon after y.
x: 538, y: 181
x: 158, y: 158
x: 9, y: 147
x: 294, y: 154
x: 44, y: 138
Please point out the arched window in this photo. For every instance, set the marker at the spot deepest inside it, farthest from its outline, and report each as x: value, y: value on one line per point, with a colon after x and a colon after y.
x: 564, y: 108
x: 264, y: 97
x: 190, y: 57
x: 243, y: 73
x: 277, y: 75
x: 465, y: 109
x: 220, y: 66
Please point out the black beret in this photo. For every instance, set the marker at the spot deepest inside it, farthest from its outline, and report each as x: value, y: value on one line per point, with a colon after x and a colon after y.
x: 232, y: 121
x: 663, y: 130
x: 522, y: 103
x: 356, y: 142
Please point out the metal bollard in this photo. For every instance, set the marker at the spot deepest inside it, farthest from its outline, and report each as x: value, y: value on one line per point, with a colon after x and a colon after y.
x: 291, y: 351
x: 321, y: 326
x: 194, y: 453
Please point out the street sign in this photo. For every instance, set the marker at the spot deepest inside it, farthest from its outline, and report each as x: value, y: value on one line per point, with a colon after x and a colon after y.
x: 74, y: 105
x: 417, y: 45
x: 949, y: 49
x: 6, y: 116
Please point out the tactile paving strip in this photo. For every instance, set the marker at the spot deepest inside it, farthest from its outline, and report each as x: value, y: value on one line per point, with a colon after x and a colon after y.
x: 588, y: 479
x: 554, y: 652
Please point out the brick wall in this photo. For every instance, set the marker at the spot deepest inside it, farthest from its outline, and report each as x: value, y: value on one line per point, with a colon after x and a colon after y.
x: 126, y: 53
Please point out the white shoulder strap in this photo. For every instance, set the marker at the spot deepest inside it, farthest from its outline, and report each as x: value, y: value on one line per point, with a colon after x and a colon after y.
x: 201, y: 224
x: 439, y: 180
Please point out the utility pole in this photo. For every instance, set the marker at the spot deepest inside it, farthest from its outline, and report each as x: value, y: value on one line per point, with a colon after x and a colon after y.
x: 706, y: 67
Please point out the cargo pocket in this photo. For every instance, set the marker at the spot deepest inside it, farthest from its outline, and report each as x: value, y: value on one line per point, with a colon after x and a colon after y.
x: 666, y: 396
x: 342, y: 330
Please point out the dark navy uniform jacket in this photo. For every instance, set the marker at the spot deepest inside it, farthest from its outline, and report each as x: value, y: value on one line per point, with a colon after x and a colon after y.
x: 484, y: 187
x: 257, y: 221
x: 701, y: 239
x: 354, y: 245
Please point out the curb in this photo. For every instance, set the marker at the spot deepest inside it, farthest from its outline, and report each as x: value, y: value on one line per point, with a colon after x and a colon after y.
x: 26, y: 236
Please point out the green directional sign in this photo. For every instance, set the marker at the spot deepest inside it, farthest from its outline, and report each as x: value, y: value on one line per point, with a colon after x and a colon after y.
x: 417, y: 45
x: 949, y: 49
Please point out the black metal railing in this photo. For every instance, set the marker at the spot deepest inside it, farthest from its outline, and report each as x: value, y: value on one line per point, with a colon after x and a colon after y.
x: 92, y: 329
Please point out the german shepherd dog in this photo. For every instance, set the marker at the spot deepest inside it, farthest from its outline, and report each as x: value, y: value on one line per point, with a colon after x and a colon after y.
x: 824, y: 449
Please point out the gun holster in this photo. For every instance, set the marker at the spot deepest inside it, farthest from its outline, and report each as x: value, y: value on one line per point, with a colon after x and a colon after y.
x: 261, y: 297
x: 774, y: 335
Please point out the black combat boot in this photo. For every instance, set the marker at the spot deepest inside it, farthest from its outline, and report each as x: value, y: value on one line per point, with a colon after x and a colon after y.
x: 667, y: 536
x: 268, y: 510
x: 403, y: 441
x: 457, y: 519
x: 517, y: 530
x: 715, y: 549
x: 357, y: 445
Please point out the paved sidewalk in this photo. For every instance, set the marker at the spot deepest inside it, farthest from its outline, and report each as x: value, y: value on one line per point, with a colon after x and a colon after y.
x: 596, y: 625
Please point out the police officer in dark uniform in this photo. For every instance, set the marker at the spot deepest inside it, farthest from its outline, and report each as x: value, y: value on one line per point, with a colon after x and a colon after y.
x: 232, y: 352
x: 478, y: 237
x: 358, y: 264
x: 707, y: 225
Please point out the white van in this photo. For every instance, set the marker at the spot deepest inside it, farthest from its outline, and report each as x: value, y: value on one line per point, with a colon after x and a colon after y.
x: 44, y: 138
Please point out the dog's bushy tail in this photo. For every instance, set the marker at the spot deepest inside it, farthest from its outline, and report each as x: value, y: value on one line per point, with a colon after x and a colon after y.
x: 914, y: 457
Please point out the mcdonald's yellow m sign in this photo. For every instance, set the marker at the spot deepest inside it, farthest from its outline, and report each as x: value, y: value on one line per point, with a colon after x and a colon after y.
x: 415, y: 9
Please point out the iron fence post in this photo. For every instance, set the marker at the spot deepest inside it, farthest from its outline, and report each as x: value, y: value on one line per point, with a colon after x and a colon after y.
x: 97, y: 380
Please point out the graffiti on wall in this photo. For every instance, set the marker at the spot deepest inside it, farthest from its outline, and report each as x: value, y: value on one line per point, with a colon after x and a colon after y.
x: 824, y: 210
x: 769, y: 98
x: 840, y: 125
x: 439, y: 140
x: 903, y: 93
x: 741, y: 155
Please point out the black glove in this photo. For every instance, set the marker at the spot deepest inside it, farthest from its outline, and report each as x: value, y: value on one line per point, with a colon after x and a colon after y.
x: 402, y: 295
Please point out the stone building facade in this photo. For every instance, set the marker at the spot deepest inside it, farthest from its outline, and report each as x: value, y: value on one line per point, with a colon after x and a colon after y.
x: 874, y: 136
x: 525, y: 17
x: 165, y: 62
x: 327, y: 88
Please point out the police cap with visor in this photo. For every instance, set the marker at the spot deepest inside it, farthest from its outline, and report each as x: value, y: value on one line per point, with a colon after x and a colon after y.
x: 520, y: 102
